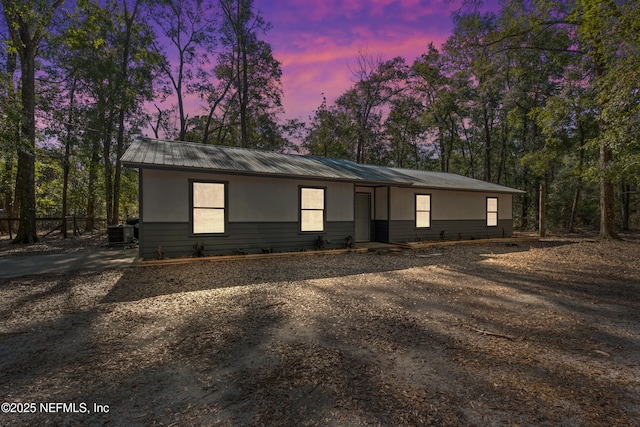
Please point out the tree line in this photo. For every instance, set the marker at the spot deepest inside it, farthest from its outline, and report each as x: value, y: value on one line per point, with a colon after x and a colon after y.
x: 538, y: 95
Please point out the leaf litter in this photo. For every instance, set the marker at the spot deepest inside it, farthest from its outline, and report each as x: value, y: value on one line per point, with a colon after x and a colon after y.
x: 536, y: 333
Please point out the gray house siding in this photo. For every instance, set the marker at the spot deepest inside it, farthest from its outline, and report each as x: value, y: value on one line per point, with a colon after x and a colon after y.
x: 455, y: 215
x: 176, y: 239
x: 262, y: 214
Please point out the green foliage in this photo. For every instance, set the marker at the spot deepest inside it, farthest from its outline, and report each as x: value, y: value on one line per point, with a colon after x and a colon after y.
x: 405, y: 131
x: 329, y: 134
x: 564, y: 183
x: 377, y: 83
x: 48, y: 185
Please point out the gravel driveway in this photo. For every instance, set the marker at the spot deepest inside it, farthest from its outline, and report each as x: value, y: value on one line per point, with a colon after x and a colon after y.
x: 541, y: 333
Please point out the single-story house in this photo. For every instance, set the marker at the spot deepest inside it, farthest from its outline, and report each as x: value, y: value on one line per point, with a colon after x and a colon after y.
x: 240, y: 200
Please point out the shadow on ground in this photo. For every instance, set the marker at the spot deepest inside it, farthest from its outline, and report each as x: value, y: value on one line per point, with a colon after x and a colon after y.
x: 148, y: 282
x: 501, y: 335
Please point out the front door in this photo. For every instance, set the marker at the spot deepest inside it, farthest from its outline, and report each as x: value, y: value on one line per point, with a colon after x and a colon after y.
x: 363, y: 217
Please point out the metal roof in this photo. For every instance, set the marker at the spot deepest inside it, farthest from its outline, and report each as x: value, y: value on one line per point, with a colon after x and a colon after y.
x: 147, y: 152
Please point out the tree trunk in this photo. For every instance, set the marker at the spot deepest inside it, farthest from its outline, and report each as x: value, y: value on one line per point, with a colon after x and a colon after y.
x: 124, y: 76
x: 16, y: 191
x: 7, y: 195
x: 607, y: 200
x: 108, y: 174
x: 443, y: 150
x: 244, y: 84
x: 502, y: 165
x: 178, y: 88
x: 26, y: 32
x: 118, y: 169
x: 212, y: 109
x: 156, y: 128
x: 574, y: 208
x: 542, y: 224
x: 66, y: 166
x: 524, y: 213
x: 65, y: 190
x: 626, y: 205
x: 487, y: 147
x: 452, y: 138
x: 27, y: 232
x: 93, y: 179
x: 359, y: 148
x: 536, y: 202
x: 576, y: 196
x: 10, y: 205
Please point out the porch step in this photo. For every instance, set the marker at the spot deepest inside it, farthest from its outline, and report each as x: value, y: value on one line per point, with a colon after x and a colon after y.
x: 374, y: 246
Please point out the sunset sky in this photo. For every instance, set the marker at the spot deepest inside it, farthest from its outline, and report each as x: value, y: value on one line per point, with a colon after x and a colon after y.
x: 316, y: 41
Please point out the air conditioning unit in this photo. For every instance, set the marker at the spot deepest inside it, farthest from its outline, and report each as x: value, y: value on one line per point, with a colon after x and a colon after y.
x: 120, y: 234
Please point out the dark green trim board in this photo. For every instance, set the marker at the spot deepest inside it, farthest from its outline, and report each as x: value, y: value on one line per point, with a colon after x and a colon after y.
x: 176, y: 239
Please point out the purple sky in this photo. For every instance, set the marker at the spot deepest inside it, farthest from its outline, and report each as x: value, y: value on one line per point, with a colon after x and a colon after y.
x: 317, y: 40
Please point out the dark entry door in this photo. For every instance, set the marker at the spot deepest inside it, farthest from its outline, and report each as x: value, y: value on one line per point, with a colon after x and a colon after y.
x: 363, y: 217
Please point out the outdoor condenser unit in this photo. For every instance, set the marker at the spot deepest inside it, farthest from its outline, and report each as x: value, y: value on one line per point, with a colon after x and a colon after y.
x: 120, y: 234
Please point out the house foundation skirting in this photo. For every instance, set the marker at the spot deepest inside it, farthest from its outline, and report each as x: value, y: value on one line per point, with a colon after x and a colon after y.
x: 176, y: 239
x: 405, y: 231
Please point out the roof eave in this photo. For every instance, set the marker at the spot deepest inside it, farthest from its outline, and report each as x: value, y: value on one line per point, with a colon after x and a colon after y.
x: 141, y: 165
x: 357, y: 181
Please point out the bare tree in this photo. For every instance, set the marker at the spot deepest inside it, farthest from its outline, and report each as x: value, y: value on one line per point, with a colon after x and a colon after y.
x: 189, y: 28
x: 376, y: 83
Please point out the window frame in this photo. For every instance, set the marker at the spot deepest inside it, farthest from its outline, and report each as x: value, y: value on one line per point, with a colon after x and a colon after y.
x: 489, y: 212
x: 416, y: 211
x: 301, y: 210
x: 192, y: 208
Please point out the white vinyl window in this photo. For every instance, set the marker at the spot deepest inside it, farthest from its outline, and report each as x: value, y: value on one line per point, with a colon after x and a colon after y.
x: 312, y: 209
x: 208, y: 207
x: 423, y: 210
x: 492, y: 211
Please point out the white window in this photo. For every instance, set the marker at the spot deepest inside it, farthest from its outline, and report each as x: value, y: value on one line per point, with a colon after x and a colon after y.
x: 423, y: 210
x: 208, y: 207
x: 492, y: 211
x: 312, y: 209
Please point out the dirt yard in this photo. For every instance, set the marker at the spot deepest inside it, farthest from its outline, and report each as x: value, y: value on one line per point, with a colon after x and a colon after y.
x: 544, y: 333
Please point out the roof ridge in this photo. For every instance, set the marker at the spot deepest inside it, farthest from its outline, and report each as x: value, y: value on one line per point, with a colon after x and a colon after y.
x: 261, y: 151
x: 218, y: 146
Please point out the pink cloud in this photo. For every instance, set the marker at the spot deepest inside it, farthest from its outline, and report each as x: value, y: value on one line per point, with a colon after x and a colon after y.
x: 305, y: 85
x: 320, y: 65
x: 315, y: 10
x: 316, y: 41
